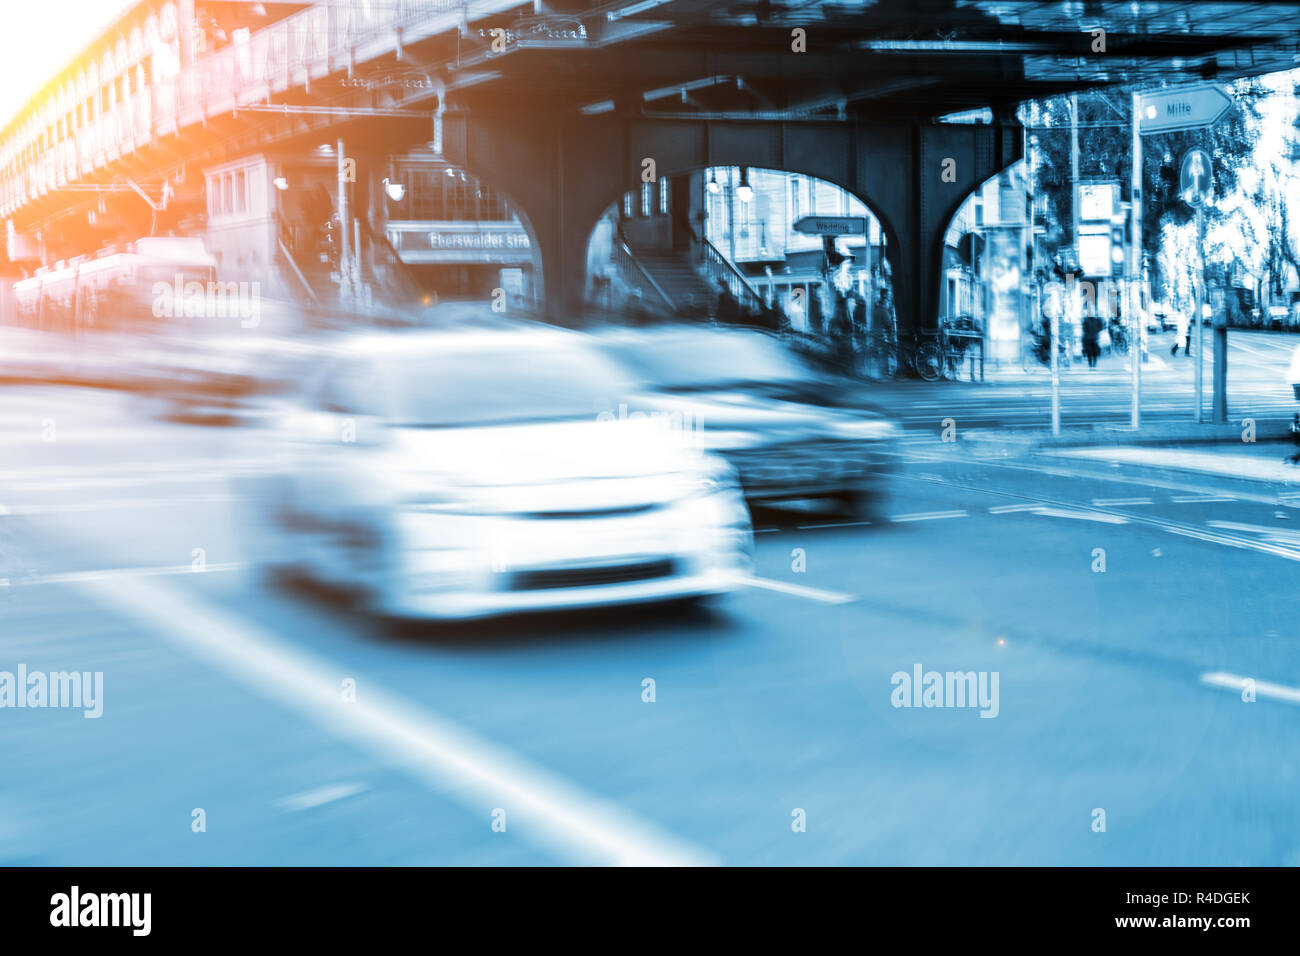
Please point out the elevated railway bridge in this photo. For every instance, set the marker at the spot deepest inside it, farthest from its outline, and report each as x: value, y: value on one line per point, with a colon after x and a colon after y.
x: 247, y: 122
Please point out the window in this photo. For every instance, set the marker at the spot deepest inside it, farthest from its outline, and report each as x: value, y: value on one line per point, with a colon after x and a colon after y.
x: 664, y: 198
x: 432, y: 194
x: 645, y: 199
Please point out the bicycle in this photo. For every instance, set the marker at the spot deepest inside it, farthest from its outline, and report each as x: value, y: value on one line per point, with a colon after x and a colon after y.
x: 1118, y: 337
x: 944, y: 351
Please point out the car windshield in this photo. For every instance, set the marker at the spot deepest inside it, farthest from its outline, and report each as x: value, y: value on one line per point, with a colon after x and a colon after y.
x: 499, y: 386
x: 712, y: 359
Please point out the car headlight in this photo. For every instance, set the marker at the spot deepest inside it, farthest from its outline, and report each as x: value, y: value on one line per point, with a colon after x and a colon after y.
x: 730, y: 439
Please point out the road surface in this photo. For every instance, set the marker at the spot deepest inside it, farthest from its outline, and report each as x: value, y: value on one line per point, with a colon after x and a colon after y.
x: 1121, y: 607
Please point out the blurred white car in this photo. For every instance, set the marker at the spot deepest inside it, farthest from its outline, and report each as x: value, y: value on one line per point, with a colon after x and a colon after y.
x: 1163, y: 318
x: 461, y: 474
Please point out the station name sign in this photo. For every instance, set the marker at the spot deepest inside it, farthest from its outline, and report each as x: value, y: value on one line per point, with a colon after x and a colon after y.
x: 832, y: 226
x: 466, y: 242
x: 478, y: 240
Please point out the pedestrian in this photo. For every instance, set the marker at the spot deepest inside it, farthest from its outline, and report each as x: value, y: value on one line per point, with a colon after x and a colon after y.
x: 1092, y: 339
x: 1181, y: 334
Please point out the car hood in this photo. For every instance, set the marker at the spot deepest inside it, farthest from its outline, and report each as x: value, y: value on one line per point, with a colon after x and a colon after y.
x: 539, y: 453
x: 771, y: 416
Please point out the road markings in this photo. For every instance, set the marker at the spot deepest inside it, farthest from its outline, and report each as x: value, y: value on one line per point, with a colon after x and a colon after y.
x: 1277, y: 535
x: 1199, y: 499
x: 1119, y: 502
x: 111, y: 504
x: 213, y: 466
x: 1262, y: 688
x: 330, y: 793
x: 797, y: 590
x: 115, y: 574
x: 1162, y: 524
x: 833, y: 524
x: 1080, y: 515
x: 1010, y: 509
x: 544, y: 808
x: 931, y: 515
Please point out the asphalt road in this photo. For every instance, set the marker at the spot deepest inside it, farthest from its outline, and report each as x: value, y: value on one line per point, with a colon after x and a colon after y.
x: 306, y: 733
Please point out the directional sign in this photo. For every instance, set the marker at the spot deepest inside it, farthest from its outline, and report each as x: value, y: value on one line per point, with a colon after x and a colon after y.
x: 831, y: 226
x: 1196, y: 177
x: 1182, y: 107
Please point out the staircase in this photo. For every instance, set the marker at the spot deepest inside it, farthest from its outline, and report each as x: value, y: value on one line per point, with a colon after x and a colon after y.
x: 683, y: 280
x: 673, y: 272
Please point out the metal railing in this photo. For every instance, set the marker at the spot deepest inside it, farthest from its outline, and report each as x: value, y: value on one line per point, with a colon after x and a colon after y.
x: 634, y: 275
x: 287, y: 253
x: 387, y: 270
x: 717, y: 269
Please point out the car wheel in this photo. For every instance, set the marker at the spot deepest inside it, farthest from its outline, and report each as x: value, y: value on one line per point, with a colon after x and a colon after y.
x: 863, y: 504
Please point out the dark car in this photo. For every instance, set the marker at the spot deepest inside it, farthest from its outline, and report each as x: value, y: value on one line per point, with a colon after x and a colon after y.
x: 791, y: 429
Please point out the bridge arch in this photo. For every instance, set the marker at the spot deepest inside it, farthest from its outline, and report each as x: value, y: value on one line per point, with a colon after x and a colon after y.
x: 566, y: 173
x: 673, y: 240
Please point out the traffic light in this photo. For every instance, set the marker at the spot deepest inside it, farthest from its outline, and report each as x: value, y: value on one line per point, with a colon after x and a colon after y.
x: 1117, y: 247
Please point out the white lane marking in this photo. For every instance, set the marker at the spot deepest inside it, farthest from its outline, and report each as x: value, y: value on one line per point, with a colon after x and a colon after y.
x: 1172, y: 527
x: 1279, y: 535
x: 797, y: 590
x: 1010, y: 509
x: 78, y: 484
x: 1119, y: 502
x: 330, y: 793
x: 930, y: 515
x: 765, y: 530
x: 114, y: 574
x: 111, y: 504
x: 833, y: 524
x: 544, y: 808
x: 1262, y: 688
x: 1199, y: 499
x: 220, y: 466
x: 1080, y: 515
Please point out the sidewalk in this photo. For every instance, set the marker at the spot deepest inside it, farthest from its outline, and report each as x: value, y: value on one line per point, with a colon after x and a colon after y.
x: 1102, y: 439
x: 1110, y: 369
x: 1250, y: 462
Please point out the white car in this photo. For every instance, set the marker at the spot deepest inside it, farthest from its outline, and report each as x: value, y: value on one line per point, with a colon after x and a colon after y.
x: 1163, y: 318
x: 462, y: 474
